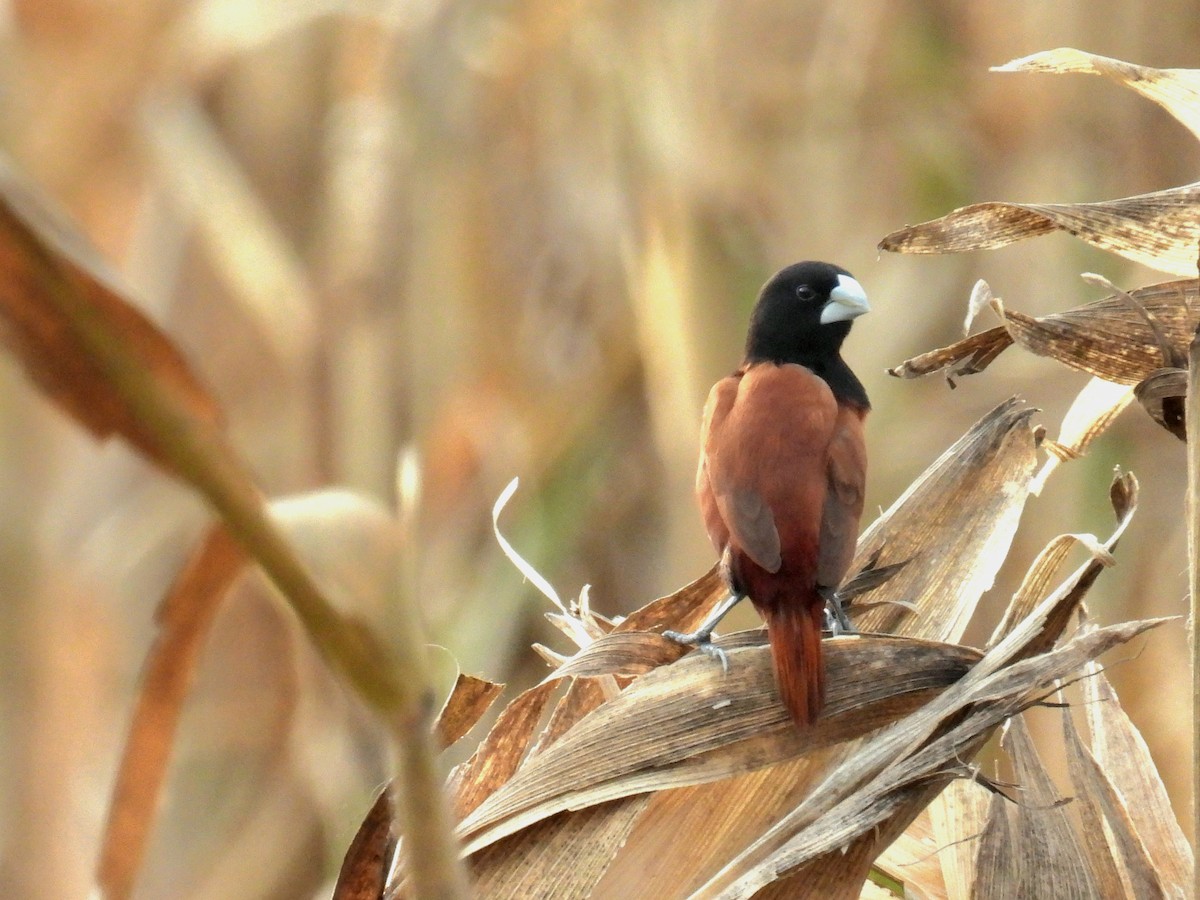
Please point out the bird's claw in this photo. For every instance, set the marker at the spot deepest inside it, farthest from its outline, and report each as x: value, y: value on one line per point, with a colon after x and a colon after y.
x: 837, y: 622
x: 702, y: 641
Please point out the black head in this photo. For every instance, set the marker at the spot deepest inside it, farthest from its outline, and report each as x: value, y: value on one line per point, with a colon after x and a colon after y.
x: 803, y: 314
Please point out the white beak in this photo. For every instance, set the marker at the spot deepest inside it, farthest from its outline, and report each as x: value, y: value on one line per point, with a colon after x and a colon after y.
x: 846, y: 301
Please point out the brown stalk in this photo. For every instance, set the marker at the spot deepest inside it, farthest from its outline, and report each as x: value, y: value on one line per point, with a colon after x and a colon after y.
x: 1193, y: 520
x: 185, y: 620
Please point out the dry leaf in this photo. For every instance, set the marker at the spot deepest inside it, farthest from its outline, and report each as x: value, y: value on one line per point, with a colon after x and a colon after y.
x: 1093, y: 410
x: 562, y: 856
x: 896, y: 773
x: 1175, y: 90
x: 1125, y: 759
x: 1119, y: 863
x: 690, y: 722
x: 1040, y: 575
x: 1159, y: 230
x: 185, y: 619
x: 501, y: 752
x: 959, y: 816
x: 1163, y: 393
x: 683, y: 610
x: 1109, y: 338
x: 875, y: 813
x: 364, y: 868
x: 58, y: 298
x: 954, y: 526
x: 996, y: 864
x: 470, y: 698
x: 1051, y: 861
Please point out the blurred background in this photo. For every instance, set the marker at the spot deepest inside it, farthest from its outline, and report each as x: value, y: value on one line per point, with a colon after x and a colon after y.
x: 521, y: 238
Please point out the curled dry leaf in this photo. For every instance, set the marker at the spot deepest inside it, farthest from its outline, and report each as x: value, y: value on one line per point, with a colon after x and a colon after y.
x: 1092, y: 411
x: 1109, y: 338
x: 1175, y: 90
x: 1162, y: 394
x: 57, y: 299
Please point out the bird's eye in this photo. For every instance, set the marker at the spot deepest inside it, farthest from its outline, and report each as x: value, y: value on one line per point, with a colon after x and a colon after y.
x: 805, y: 292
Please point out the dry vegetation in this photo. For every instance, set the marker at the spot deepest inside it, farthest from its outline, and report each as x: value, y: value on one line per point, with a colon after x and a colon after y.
x: 521, y: 240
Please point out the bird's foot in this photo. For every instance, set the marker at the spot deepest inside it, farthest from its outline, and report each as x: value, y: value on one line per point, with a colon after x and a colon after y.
x: 836, y: 619
x: 702, y: 641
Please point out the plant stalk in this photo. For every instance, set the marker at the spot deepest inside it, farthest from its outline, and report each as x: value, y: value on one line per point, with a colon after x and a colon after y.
x: 1192, y: 413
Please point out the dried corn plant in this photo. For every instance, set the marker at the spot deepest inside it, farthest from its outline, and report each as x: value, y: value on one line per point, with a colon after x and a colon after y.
x: 651, y: 775
x: 506, y: 236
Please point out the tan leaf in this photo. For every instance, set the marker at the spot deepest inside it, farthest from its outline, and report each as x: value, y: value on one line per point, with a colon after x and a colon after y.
x: 61, y: 306
x: 1093, y: 410
x: 365, y: 866
x: 501, y: 752
x: 1119, y: 861
x: 1052, y: 862
x: 959, y: 816
x: 683, y: 834
x: 996, y: 864
x: 1110, y: 338
x: 572, y: 850
x: 1175, y: 90
x: 881, y: 784
x: 470, y: 698
x: 690, y: 722
x: 1160, y: 230
x: 954, y: 524
x: 1125, y: 759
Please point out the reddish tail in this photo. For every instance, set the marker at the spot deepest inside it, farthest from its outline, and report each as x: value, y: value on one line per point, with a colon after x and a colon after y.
x: 795, y: 633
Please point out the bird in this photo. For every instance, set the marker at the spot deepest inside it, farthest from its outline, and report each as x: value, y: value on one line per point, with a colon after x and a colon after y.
x: 782, y: 472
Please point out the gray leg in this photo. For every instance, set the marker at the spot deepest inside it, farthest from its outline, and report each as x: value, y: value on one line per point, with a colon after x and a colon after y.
x: 701, y: 638
x: 836, y: 620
